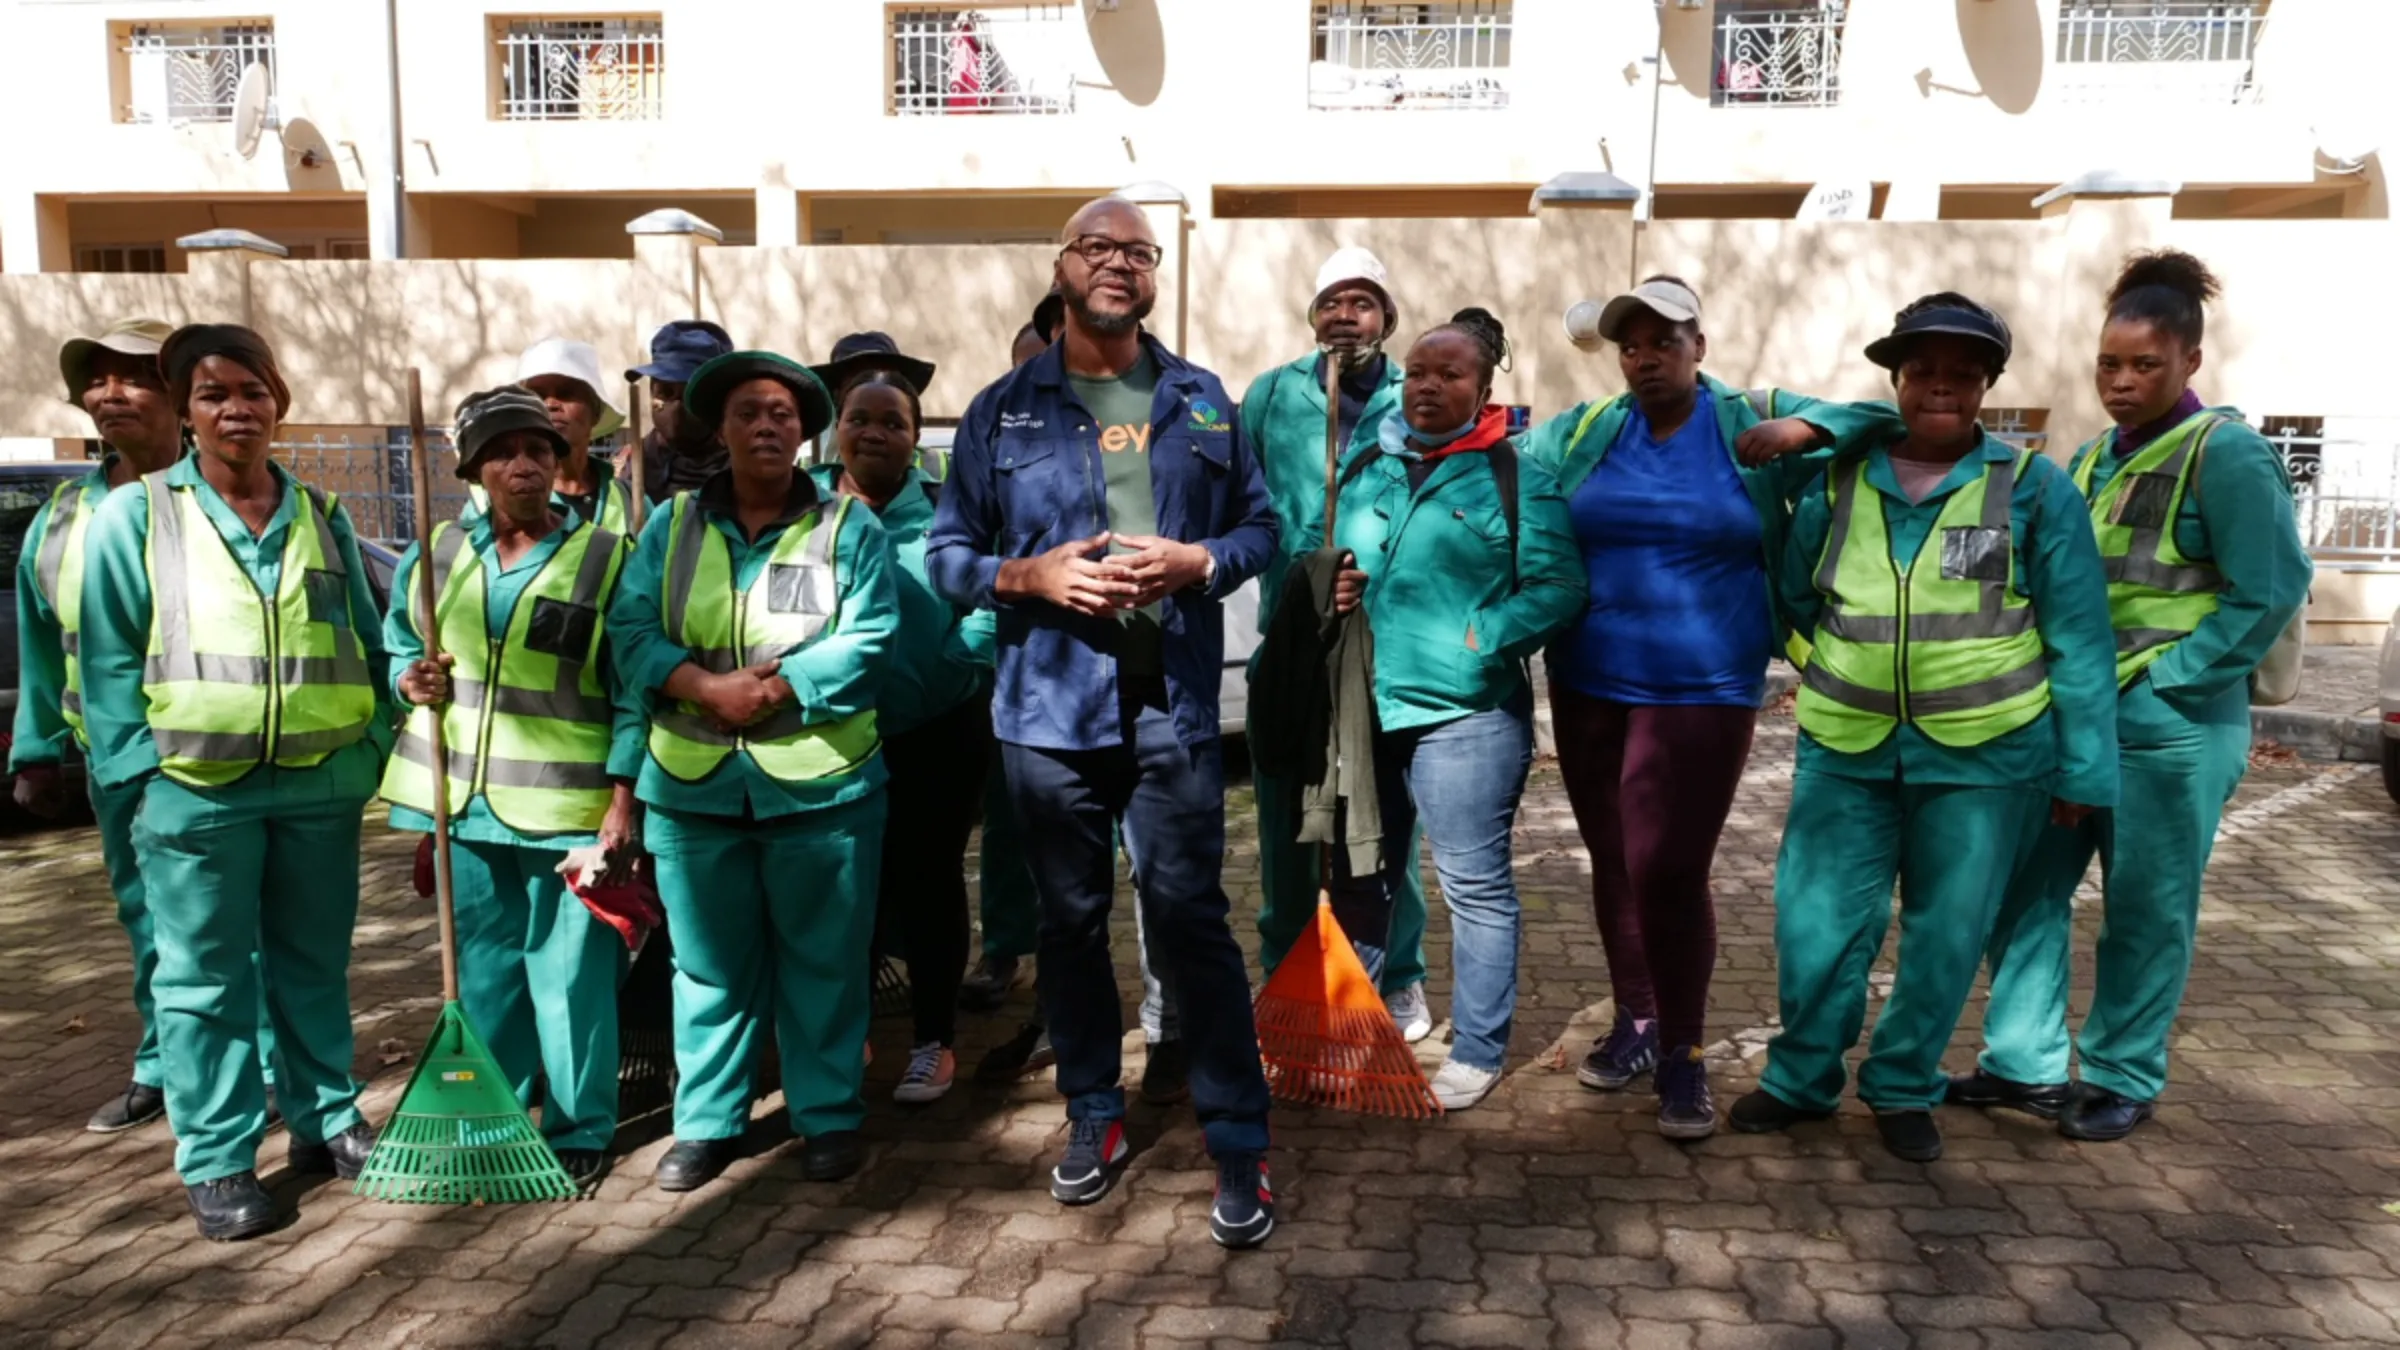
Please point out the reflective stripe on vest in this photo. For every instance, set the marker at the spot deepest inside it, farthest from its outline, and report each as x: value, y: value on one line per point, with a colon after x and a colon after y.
x: 1950, y: 649
x: 528, y: 723
x: 236, y: 679
x: 58, y: 575
x: 791, y: 600
x: 2156, y: 595
x: 615, y: 504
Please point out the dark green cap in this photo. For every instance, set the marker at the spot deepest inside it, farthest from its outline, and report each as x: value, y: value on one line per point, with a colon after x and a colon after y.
x: 704, y: 396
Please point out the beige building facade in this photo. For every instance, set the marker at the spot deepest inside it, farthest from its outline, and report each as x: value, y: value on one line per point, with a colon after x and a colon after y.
x: 807, y: 168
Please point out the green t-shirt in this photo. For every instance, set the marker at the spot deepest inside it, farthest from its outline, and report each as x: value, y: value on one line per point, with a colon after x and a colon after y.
x: 1121, y: 408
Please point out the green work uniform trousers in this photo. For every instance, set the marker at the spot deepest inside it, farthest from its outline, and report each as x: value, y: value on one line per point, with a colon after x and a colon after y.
x: 538, y: 975
x: 771, y: 918
x: 250, y: 888
x: 2153, y: 850
x: 1289, y: 877
x: 1010, y: 910
x: 1846, y: 840
x: 113, y: 811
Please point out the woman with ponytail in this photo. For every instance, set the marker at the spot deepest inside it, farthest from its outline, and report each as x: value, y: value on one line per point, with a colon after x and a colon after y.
x: 1464, y: 560
x: 2206, y: 568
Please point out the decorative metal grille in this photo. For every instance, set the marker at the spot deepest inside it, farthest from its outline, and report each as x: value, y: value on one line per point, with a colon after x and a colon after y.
x: 2024, y: 428
x: 582, y: 70
x: 178, y: 73
x: 1368, y: 55
x: 1022, y: 59
x: 2200, y: 50
x: 1779, y: 56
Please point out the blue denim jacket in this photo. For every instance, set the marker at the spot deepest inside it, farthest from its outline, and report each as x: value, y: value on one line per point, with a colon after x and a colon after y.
x: 1026, y: 476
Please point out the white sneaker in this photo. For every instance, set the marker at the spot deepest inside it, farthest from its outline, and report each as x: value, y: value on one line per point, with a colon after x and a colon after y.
x: 1411, y: 1013
x: 1459, y: 1086
x: 931, y: 1069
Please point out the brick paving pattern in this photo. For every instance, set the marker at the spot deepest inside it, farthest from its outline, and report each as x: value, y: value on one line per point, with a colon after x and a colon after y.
x: 2248, y: 1214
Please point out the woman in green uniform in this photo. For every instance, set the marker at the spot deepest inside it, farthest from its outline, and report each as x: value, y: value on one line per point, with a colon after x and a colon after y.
x: 1464, y: 561
x: 1957, y: 694
x: 233, y: 669
x: 2206, y: 568
x: 523, y: 690
x: 754, y: 623
x: 934, y: 714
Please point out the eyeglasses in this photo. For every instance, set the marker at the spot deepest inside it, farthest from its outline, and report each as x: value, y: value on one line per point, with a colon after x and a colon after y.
x: 1097, y: 249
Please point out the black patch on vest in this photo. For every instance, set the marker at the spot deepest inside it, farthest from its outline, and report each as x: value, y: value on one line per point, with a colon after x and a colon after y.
x: 328, y: 597
x: 2144, y: 502
x: 1974, y: 553
x: 561, y: 630
x: 787, y: 589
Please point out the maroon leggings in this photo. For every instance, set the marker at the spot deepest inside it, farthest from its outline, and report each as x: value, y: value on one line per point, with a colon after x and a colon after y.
x: 1651, y: 787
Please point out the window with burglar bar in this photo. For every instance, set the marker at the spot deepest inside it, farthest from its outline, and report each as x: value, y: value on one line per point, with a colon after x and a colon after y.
x: 948, y: 61
x: 2197, y: 51
x: 1778, y: 52
x: 178, y: 73
x: 1367, y: 54
x: 580, y: 69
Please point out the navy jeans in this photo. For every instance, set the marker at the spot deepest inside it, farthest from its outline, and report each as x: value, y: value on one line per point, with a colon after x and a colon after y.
x: 1463, y: 778
x: 1171, y: 800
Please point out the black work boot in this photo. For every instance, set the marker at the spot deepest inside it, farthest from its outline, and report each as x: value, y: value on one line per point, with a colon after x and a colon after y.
x: 1762, y: 1112
x: 344, y: 1155
x: 1982, y: 1089
x: 2100, y: 1116
x: 229, y: 1209
x: 137, y: 1105
x: 693, y: 1163
x: 1910, y: 1135
x: 833, y: 1156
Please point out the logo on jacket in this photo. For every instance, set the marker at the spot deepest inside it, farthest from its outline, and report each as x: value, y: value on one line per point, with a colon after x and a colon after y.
x: 1205, y: 417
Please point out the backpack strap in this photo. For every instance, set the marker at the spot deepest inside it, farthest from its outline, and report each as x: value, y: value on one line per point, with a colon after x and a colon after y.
x: 1502, y: 456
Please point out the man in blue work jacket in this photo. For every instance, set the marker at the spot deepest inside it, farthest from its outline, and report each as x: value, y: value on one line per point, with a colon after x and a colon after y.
x: 1104, y: 499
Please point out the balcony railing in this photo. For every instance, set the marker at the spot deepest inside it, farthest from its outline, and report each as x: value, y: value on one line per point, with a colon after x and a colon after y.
x: 581, y: 70
x: 181, y: 72
x: 2193, y: 51
x: 1779, y: 56
x: 1022, y: 59
x: 1410, y: 56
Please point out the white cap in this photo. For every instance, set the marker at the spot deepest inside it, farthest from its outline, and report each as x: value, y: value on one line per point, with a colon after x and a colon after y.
x: 1350, y: 263
x: 577, y: 361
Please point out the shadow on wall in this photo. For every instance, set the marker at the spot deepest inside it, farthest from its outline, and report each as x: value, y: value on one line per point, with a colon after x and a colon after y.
x: 2006, y: 48
x: 1132, y: 48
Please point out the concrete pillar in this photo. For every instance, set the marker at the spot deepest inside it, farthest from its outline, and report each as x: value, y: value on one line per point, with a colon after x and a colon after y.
x: 779, y: 224
x: 219, y: 268
x: 1169, y: 215
x: 33, y: 234
x: 666, y: 283
x: 1586, y: 248
x: 2105, y: 215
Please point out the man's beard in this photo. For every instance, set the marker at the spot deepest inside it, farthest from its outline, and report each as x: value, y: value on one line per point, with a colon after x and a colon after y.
x: 1110, y: 325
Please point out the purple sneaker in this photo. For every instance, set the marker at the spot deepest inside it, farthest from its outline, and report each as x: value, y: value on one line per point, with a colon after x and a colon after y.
x: 1685, y: 1110
x: 1626, y: 1054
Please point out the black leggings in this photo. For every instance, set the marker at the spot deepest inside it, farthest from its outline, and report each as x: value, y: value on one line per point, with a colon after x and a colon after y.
x: 937, y: 779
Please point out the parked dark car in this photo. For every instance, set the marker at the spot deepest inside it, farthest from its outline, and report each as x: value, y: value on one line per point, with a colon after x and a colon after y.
x: 24, y: 486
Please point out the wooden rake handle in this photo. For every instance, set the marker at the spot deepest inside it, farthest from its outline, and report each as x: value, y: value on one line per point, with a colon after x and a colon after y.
x: 428, y: 626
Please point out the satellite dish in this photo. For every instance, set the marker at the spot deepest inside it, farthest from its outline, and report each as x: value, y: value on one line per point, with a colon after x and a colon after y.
x: 1582, y: 321
x: 2345, y: 146
x: 1839, y: 201
x: 250, y: 119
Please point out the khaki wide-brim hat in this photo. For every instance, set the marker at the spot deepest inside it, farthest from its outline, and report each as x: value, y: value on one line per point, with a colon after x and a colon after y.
x: 129, y: 337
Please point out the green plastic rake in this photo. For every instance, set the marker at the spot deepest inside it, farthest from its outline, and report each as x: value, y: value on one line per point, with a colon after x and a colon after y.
x: 459, y: 1137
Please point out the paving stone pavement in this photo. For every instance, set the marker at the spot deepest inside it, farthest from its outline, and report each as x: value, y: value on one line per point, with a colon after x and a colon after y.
x: 2248, y: 1214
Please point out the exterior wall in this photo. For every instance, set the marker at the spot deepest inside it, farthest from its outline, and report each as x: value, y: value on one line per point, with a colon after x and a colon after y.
x: 1201, y: 93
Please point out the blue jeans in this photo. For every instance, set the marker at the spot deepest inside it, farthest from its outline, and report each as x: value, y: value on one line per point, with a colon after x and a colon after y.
x: 1170, y: 799
x: 1463, y: 779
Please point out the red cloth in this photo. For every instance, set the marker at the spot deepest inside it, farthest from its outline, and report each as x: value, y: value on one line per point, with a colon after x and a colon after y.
x: 1491, y: 428
x: 423, y: 875
x: 629, y: 905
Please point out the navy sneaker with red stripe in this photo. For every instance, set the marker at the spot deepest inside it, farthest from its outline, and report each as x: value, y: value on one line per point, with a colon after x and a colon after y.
x: 1245, y: 1209
x: 1095, y: 1149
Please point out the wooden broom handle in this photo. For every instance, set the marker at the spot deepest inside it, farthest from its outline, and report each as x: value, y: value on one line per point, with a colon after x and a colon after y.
x: 429, y: 628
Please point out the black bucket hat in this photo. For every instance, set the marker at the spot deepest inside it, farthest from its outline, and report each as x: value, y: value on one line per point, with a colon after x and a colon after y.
x: 485, y: 417
x: 859, y: 353
x: 1943, y: 312
x: 704, y: 395
x: 1050, y: 315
